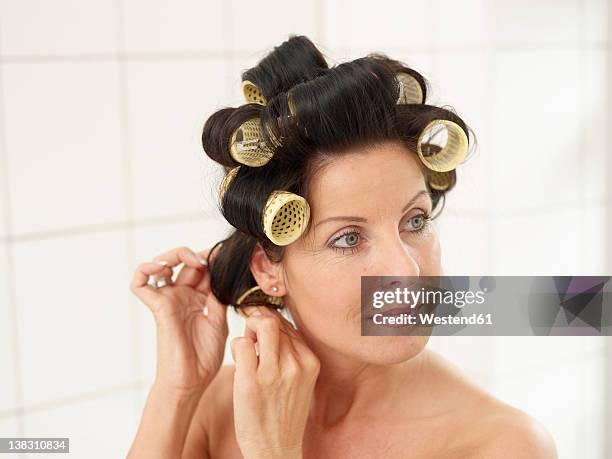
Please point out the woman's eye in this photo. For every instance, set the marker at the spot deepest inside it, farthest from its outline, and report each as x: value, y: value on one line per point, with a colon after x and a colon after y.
x: 417, y: 222
x: 350, y: 239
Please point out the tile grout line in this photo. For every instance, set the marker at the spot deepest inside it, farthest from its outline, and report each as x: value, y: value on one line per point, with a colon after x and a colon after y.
x: 75, y: 399
x: 581, y: 179
x: 111, y: 226
x: 490, y: 168
x: 608, y: 250
x: 127, y: 176
x: 179, y: 54
x: 10, y: 267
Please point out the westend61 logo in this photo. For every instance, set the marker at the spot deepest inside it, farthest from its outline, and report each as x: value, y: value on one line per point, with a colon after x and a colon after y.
x: 486, y: 306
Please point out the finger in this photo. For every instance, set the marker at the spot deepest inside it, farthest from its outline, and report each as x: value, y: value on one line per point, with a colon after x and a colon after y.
x: 293, y: 337
x: 243, y: 353
x: 180, y: 255
x: 216, y: 311
x: 265, y: 331
x: 139, y: 284
x: 190, y: 276
x: 204, y: 283
x: 288, y: 333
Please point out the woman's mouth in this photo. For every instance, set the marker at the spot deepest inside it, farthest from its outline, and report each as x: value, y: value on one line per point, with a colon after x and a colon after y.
x: 394, y: 312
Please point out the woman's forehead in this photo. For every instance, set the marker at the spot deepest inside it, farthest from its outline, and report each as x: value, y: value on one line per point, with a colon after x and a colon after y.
x: 388, y: 170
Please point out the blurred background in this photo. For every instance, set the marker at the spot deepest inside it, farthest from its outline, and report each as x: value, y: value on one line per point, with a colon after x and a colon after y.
x: 102, y: 104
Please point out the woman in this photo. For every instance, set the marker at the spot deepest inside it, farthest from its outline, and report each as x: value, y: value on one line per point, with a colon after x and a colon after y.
x: 360, y: 186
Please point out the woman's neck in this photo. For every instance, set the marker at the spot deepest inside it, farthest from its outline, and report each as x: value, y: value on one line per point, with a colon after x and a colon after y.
x: 347, y: 387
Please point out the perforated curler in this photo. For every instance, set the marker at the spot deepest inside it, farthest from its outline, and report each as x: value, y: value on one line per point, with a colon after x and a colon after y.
x: 247, y: 145
x: 454, y: 151
x: 252, y: 93
x: 285, y: 217
x: 226, y: 181
x: 441, y: 181
x: 410, y: 91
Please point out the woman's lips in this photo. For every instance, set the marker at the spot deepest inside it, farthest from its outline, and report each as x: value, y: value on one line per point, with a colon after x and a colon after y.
x: 398, y: 311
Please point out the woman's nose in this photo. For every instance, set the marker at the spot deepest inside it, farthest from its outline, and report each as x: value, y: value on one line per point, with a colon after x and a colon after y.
x: 398, y: 260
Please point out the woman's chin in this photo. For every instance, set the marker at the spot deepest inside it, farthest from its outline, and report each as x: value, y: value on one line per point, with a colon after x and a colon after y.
x: 389, y: 350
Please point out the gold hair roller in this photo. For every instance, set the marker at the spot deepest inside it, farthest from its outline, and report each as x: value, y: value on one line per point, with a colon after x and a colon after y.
x: 440, y: 181
x: 247, y: 145
x: 410, y: 91
x: 226, y: 181
x: 252, y: 93
x: 285, y: 217
x: 454, y: 151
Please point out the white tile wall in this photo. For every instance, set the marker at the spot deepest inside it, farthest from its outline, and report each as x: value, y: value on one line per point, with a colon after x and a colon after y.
x: 173, y: 99
x: 100, y: 427
x: 73, y: 319
x: 459, y: 24
x: 30, y: 27
x: 63, y: 144
x: 258, y: 28
x: 534, y: 114
x: 174, y: 26
x: 546, y: 22
x: 102, y: 168
x: 8, y: 364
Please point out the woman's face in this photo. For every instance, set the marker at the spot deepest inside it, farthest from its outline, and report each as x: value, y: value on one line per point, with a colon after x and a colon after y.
x: 368, y: 211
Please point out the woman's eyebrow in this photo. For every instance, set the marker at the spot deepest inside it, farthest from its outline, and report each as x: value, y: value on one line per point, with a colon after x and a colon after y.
x: 364, y: 220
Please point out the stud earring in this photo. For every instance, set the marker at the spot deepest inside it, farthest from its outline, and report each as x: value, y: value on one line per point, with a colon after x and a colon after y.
x: 275, y: 289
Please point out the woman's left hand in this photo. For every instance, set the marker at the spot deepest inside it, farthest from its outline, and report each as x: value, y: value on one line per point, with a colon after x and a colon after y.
x: 272, y: 391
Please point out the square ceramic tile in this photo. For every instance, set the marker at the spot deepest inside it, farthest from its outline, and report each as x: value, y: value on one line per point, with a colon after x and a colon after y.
x: 458, y: 24
x: 63, y: 145
x: 471, y: 354
x: 259, y: 29
x: 465, y: 93
x: 522, y: 354
x: 390, y: 26
x: 594, y: 21
x: 567, y: 398
x: 538, y: 243
x: 3, y: 182
x: 594, y: 236
x: 84, y: 421
x: 594, y: 159
x: 169, y: 26
x: 58, y: 27
x: 8, y: 353
x: 151, y: 241
x: 8, y: 426
x: 535, y: 145
x: 465, y: 243
x: 75, y: 328
x: 168, y: 103
x: 523, y: 22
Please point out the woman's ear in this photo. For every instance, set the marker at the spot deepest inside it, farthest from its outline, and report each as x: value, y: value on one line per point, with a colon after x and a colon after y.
x: 267, y: 274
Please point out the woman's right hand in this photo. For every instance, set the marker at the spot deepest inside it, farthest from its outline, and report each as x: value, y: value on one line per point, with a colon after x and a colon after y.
x: 190, y: 344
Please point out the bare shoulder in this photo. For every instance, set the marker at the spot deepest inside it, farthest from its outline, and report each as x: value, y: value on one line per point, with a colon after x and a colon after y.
x: 514, y: 433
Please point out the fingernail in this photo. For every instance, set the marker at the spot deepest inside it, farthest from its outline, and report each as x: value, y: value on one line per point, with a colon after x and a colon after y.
x: 203, y: 261
x: 163, y: 263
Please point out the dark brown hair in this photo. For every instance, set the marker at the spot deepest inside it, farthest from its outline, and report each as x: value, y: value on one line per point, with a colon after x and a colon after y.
x: 335, y: 109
